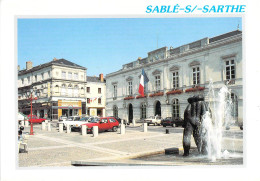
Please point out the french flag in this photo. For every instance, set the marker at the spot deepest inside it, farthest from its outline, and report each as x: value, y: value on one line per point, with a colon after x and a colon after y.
x: 144, y: 80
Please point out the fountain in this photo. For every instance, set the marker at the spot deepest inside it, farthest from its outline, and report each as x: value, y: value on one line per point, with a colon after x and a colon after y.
x: 207, y: 121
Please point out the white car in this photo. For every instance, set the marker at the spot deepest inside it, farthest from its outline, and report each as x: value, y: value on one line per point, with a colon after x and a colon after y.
x: 77, y: 124
x: 155, y: 120
x: 70, y: 121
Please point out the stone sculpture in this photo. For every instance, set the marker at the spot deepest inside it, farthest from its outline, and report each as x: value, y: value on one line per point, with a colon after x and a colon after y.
x: 192, y: 124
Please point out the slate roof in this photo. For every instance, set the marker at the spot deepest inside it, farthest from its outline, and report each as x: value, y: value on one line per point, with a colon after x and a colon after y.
x: 226, y: 35
x: 61, y: 62
x: 94, y: 79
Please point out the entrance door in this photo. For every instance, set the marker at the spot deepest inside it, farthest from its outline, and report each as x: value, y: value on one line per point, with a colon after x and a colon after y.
x: 130, y: 113
x: 158, y: 108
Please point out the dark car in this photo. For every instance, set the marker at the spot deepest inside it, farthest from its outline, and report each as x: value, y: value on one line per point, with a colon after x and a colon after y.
x: 174, y: 122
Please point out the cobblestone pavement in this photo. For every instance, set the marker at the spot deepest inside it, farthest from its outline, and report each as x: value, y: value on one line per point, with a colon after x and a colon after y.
x: 51, y: 148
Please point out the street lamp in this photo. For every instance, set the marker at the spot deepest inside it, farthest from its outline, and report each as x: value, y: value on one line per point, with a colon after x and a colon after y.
x: 31, y: 98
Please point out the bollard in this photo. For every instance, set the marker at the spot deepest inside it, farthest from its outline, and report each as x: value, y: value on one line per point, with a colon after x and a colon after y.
x: 167, y: 131
x: 43, y: 125
x: 60, y: 127
x: 68, y: 128
x: 145, y: 127
x: 133, y: 122
x: 46, y: 121
x: 22, y: 123
x: 95, y: 131
x: 84, y: 130
x: 49, y: 126
x: 26, y: 123
x: 122, y: 129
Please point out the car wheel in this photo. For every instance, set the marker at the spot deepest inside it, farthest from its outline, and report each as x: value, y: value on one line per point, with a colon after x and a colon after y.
x: 164, y: 125
x: 114, y: 129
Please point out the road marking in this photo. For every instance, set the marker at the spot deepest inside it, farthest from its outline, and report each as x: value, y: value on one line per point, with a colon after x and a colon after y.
x: 49, y: 147
x: 85, y: 145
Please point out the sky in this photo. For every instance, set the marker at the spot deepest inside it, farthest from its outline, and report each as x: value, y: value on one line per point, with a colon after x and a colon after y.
x: 103, y: 45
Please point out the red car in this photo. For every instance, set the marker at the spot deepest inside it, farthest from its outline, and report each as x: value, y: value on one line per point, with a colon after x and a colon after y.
x: 35, y: 119
x: 105, y: 123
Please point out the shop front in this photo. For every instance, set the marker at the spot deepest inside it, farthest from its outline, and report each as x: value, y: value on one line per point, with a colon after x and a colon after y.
x: 69, y: 108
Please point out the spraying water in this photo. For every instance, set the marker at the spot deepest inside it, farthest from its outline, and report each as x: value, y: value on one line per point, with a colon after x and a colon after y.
x: 216, y: 120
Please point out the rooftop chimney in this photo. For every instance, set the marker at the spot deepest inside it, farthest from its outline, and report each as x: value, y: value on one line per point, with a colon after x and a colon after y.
x: 101, y: 77
x: 29, y: 65
x: 139, y: 58
x: 54, y: 59
x: 18, y: 67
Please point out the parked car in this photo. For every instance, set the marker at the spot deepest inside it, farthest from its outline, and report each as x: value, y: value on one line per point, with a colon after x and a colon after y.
x: 174, y: 122
x: 155, y: 120
x: 119, y: 120
x: 69, y: 121
x: 104, y: 123
x: 62, y: 118
x: 34, y: 119
x: 83, y: 120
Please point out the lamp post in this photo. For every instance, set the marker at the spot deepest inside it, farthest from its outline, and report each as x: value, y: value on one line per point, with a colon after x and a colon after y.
x: 31, y: 98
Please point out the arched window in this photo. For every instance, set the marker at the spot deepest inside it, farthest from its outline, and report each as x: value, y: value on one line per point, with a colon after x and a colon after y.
x: 143, y: 110
x: 56, y: 89
x: 82, y: 91
x: 175, y: 108
x: 63, y: 90
x: 76, y: 91
x: 70, y: 90
x: 115, y: 111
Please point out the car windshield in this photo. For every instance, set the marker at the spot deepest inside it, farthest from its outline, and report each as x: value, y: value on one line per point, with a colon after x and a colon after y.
x: 94, y: 120
x: 84, y: 119
x: 168, y: 118
x: 77, y: 118
x: 152, y: 117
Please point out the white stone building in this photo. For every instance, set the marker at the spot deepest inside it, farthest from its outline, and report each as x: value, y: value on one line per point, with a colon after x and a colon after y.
x: 61, y: 85
x: 96, y: 95
x: 176, y: 74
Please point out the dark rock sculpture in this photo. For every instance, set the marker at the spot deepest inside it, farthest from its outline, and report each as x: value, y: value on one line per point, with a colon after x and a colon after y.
x: 192, y: 124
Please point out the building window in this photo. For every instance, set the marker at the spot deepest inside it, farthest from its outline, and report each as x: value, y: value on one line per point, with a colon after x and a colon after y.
x: 175, y: 109
x: 76, y: 91
x: 35, y: 78
x: 99, y: 90
x: 88, y: 89
x: 115, y: 111
x: 69, y: 75
x: 42, y: 75
x: 196, y: 75
x: 115, y: 91
x: 63, y: 75
x: 63, y: 90
x: 29, y: 80
x: 230, y: 69
x: 175, y: 80
x: 158, y: 82
x: 143, y: 111
x: 99, y: 100
x: 56, y: 89
x: 22, y: 81
x: 49, y: 74
x: 76, y: 76
x: 234, y: 111
x: 82, y: 91
x: 70, y: 90
x: 88, y: 100
x: 130, y: 88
